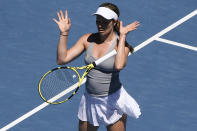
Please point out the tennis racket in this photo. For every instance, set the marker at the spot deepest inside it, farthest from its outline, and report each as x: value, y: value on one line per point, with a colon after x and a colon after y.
x: 55, y: 85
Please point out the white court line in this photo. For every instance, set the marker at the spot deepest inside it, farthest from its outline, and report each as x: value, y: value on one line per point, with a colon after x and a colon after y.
x: 187, y: 17
x: 177, y: 44
x: 140, y: 46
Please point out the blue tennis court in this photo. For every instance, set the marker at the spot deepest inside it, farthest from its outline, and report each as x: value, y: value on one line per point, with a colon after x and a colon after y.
x: 161, y: 75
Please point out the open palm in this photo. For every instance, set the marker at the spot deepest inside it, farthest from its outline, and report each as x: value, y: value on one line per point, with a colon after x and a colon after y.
x: 126, y: 29
x: 64, y: 22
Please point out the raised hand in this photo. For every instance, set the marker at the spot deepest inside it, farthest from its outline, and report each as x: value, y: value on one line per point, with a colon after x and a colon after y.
x: 64, y: 22
x: 126, y: 29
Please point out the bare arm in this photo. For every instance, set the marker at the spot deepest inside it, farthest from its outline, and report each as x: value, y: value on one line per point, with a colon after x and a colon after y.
x: 65, y: 55
x: 123, y: 51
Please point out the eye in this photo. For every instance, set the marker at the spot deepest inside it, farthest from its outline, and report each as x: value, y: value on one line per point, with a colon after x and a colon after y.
x: 106, y: 22
x: 103, y: 22
x: 98, y: 22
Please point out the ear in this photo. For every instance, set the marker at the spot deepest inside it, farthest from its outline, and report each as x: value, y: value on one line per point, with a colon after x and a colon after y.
x: 115, y: 22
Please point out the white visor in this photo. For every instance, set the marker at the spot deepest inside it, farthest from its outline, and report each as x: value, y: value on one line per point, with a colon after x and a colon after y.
x: 106, y: 13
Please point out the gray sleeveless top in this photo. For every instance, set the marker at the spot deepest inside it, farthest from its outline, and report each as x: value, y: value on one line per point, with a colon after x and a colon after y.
x: 104, y: 78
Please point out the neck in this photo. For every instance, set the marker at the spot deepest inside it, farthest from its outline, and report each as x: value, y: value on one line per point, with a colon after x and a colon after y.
x: 107, y: 37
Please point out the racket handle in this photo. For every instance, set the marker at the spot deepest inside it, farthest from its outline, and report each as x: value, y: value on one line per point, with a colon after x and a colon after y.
x: 100, y: 60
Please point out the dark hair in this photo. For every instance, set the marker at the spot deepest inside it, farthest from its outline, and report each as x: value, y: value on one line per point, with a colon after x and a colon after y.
x: 117, y: 26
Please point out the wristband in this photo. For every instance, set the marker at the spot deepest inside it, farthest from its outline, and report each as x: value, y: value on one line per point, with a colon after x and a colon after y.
x: 64, y: 33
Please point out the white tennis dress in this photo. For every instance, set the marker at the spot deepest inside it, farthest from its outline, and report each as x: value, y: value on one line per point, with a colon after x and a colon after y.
x: 105, y: 100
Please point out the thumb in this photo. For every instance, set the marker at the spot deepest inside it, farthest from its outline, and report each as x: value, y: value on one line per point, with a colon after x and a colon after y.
x: 55, y: 20
x: 121, y: 24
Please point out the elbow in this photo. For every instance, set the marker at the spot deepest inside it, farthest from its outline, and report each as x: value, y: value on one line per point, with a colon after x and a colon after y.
x: 60, y: 62
x: 119, y: 67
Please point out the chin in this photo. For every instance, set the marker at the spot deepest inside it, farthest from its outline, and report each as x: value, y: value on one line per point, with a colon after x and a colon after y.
x: 102, y: 32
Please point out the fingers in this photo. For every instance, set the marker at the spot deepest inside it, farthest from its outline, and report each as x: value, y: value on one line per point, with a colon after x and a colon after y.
x: 61, y: 16
x: 121, y: 25
x: 63, y: 22
x: 69, y: 21
x: 58, y: 15
x: 133, y: 26
x: 137, y: 23
x: 66, y: 14
x: 55, y: 20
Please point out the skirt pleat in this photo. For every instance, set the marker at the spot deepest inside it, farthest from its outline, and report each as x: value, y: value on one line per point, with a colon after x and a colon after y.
x: 106, y: 110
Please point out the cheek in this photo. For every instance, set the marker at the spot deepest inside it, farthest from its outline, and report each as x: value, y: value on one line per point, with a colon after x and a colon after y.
x: 110, y: 27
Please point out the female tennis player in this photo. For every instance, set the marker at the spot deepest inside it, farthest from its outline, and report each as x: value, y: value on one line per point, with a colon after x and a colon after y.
x: 105, y: 101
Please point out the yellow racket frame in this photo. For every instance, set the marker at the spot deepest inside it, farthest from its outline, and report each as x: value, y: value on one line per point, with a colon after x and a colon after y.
x: 87, y: 67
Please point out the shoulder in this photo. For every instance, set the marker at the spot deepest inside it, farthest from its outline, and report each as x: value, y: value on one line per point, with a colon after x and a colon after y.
x: 83, y: 40
x: 85, y: 37
x: 89, y: 38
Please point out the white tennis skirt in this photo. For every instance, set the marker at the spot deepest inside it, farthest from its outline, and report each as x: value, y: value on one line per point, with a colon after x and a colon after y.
x: 109, y: 109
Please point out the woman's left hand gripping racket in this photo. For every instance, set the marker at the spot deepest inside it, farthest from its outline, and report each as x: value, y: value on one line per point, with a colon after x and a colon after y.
x: 55, y: 85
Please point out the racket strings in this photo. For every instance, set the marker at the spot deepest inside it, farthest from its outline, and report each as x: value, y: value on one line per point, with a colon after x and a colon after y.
x: 56, y: 82
x: 59, y: 80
